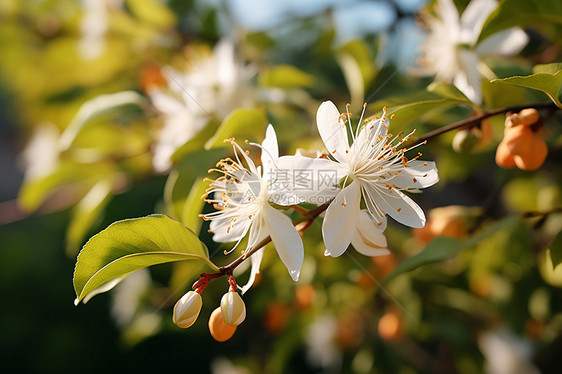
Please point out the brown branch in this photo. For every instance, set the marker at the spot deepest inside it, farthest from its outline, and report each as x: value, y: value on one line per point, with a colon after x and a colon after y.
x: 474, y: 121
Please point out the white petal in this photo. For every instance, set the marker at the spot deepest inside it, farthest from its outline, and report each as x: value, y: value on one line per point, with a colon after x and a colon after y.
x: 419, y: 174
x: 450, y: 16
x: 223, y: 235
x: 508, y: 43
x: 400, y: 207
x: 370, y: 231
x: 376, y: 214
x: 297, y: 179
x: 255, y: 259
x: 164, y: 102
x: 468, y: 80
x: 368, y: 239
x: 286, y: 240
x: 270, y: 149
x: 332, y: 131
x: 366, y: 249
x: 340, y: 221
x: 473, y: 19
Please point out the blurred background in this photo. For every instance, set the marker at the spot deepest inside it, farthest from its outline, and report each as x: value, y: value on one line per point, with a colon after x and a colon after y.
x: 110, y: 109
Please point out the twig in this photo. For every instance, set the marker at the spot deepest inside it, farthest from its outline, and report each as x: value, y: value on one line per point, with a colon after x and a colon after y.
x: 474, y: 121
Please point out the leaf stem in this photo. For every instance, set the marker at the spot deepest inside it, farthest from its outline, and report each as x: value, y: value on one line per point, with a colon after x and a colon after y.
x: 474, y: 121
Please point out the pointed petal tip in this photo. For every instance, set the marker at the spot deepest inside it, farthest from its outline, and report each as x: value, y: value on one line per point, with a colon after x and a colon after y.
x: 295, y: 274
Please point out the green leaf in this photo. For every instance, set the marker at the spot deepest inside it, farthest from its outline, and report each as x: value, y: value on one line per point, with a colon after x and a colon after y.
x: 442, y: 248
x: 152, y: 12
x: 241, y: 123
x: 85, y: 213
x: 548, y: 83
x: 183, y: 176
x: 98, y: 106
x: 510, y: 13
x: 68, y: 174
x: 132, y: 244
x: 285, y: 76
x: 194, y: 205
x: 547, y: 68
x: 407, y: 113
x: 555, y: 250
x: 448, y: 91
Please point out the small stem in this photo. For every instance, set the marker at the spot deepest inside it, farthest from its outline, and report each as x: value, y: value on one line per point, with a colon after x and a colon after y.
x: 300, y: 209
x: 473, y: 121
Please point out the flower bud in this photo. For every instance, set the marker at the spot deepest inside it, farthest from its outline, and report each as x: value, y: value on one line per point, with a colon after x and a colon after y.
x: 233, y: 308
x: 220, y: 331
x: 465, y: 140
x: 187, y: 309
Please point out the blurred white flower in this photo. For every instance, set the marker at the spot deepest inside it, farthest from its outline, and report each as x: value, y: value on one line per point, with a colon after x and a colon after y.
x: 212, y: 87
x: 241, y: 198
x: 506, y: 353
x: 41, y: 155
x: 94, y: 26
x: 322, y: 350
x: 450, y: 51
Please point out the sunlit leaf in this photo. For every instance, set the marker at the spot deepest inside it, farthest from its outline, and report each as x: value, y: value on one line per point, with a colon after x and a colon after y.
x: 442, y: 248
x: 132, y: 244
x: 194, y: 205
x: 407, y: 113
x: 152, y: 12
x: 285, y: 76
x: 85, y: 213
x: 96, y: 107
x: 183, y: 176
x: 241, y: 124
x: 68, y: 174
x: 548, y: 83
x: 510, y: 13
x: 555, y: 250
x: 448, y: 91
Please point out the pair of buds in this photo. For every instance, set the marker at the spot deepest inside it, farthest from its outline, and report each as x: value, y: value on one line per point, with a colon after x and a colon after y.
x: 222, y: 322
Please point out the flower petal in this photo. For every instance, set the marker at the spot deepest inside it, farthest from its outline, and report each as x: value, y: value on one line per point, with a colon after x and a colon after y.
x: 368, y: 239
x: 473, y: 18
x: 508, y: 43
x: 341, y: 219
x: 222, y: 234
x: 286, y: 240
x: 270, y: 150
x: 297, y: 179
x: 332, y: 131
x: 450, y: 16
x: 468, y: 79
x: 255, y: 259
x: 370, y: 231
x: 400, y: 207
x: 365, y: 248
x: 419, y: 174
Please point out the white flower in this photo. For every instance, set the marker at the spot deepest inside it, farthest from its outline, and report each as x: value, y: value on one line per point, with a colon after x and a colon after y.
x: 450, y: 51
x: 506, y: 353
x: 242, y: 198
x: 372, y: 170
x: 212, y: 87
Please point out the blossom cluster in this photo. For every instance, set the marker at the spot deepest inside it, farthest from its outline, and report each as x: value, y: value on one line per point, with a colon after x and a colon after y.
x: 361, y: 183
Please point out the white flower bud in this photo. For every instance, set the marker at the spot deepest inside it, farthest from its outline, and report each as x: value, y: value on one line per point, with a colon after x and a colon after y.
x: 187, y: 309
x: 233, y: 308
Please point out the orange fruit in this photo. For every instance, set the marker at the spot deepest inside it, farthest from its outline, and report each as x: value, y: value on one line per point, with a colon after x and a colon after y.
x: 220, y: 331
x: 504, y: 158
x: 534, y: 156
